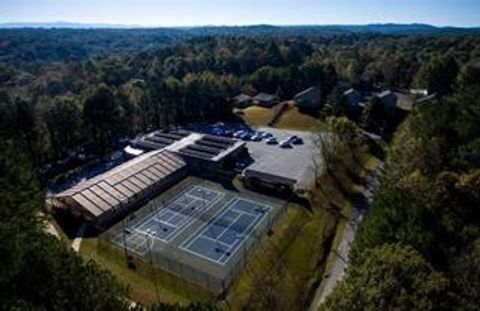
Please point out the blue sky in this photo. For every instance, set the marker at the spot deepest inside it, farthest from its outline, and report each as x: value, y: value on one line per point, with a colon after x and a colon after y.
x: 236, y: 12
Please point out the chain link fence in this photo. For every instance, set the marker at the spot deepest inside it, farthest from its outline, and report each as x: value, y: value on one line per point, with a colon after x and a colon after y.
x: 170, y: 257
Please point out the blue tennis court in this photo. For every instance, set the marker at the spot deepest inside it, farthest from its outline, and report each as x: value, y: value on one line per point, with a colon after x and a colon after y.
x: 178, y: 214
x: 223, y: 235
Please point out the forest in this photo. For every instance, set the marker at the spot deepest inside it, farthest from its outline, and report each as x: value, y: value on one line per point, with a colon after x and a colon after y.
x: 419, y: 246
x: 65, y: 93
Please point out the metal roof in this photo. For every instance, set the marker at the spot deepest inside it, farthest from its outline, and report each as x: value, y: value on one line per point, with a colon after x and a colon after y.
x: 264, y: 97
x: 191, y: 145
x: 110, y: 190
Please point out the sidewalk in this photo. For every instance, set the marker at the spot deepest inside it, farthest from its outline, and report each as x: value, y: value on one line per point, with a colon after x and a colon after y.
x: 78, y: 240
x: 341, y: 254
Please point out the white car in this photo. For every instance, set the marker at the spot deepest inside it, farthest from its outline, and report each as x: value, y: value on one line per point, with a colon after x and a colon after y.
x: 237, y: 134
x: 256, y: 137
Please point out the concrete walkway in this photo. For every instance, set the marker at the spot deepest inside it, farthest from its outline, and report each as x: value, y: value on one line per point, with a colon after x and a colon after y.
x: 341, y: 254
x: 50, y: 228
x: 78, y: 239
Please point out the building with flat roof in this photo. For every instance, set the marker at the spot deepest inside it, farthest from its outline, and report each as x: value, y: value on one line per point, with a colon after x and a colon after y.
x: 197, y: 149
x: 107, y: 196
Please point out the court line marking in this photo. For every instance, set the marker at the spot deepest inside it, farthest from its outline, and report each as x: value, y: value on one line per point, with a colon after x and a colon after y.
x: 253, y: 224
x: 179, y: 198
x: 224, y: 229
x: 189, y: 218
x: 227, y: 208
x: 258, y: 220
x: 216, y: 241
x: 212, y: 219
x: 175, y: 213
x: 165, y: 209
x: 219, y: 261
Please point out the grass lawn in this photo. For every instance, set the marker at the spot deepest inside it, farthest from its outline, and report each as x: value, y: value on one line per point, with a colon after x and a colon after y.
x: 290, y: 119
x: 281, y: 271
x: 171, y: 289
x: 256, y: 116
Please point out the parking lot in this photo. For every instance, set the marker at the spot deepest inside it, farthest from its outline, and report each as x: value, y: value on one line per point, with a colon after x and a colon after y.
x: 295, y: 163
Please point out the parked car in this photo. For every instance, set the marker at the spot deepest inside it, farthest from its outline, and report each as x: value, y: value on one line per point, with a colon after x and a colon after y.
x: 256, y: 137
x: 285, y: 144
x: 267, y: 135
x: 237, y: 134
x: 217, y: 131
x: 296, y: 140
x: 228, y: 133
x: 245, y: 136
x: 272, y: 141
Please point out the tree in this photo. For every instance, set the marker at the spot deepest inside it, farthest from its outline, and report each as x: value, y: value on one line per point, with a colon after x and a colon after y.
x: 469, y: 75
x: 438, y: 75
x: 345, y: 134
x: 273, y: 55
x: 375, y: 115
x: 63, y: 119
x: 466, y: 278
x: 266, y: 79
x: 8, y: 116
x: 25, y: 124
x: 189, y: 307
x: 390, y: 277
x: 102, y: 115
x: 38, y: 272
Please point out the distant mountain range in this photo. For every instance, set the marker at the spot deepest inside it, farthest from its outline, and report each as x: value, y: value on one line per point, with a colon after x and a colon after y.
x: 65, y: 25
x: 389, y: 29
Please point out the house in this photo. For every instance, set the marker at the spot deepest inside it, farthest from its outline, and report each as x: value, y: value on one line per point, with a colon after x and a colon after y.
x: 352, y: 97
x: 404, y: 101
x: 389, y: 100
x: 265, y: 100
x: 395, y: 100
x: 242, y: 100
x: 309, y: 99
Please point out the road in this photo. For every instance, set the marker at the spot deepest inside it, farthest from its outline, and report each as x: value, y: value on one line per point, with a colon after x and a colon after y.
x: 341, y: 254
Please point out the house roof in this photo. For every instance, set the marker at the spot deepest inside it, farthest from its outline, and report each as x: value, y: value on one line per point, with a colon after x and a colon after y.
x: 350, y: 91
x: 240, y: 98
x: 385, y: 94
x: 309, y: 91
x: 404, y: 101
x: 264, y: 97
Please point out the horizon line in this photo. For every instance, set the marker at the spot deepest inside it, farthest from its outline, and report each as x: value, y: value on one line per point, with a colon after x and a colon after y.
x: 140, y: 26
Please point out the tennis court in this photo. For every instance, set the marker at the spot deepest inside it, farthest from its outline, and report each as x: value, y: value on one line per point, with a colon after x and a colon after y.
x: 176, y: 215
x: 198, y: 229
x: 223, y: 235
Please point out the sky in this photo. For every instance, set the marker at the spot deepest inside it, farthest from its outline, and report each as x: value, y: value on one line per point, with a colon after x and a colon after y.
x: 243, y: 12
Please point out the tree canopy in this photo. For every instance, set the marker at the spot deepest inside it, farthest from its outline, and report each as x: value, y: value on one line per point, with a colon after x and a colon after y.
x: 390, y: 277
